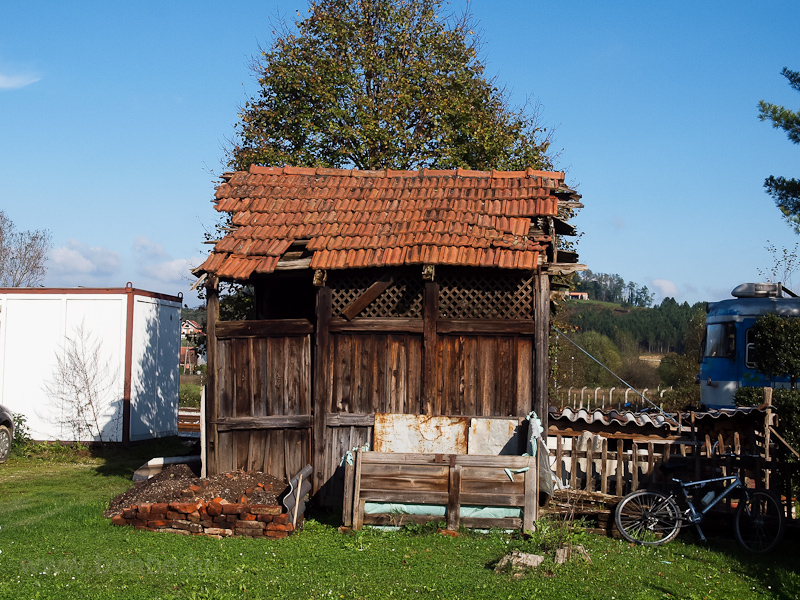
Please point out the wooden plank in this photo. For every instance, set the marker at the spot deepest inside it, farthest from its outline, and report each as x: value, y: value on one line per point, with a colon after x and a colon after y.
x: 267, y: 328
x: 531, y: 498
x: 349, y: 420
x: 347, y: 503
x: 368, y: 296
x: 487, y: 368
x: 320, y: 405
x: 469, y: 373
x: 505, y: 403
x: 430, y: 310
x: 401, y: 481
x: 650, y: 460
x: 404, y: 496
x: 495, y: 499
x: 272, y: 422
x: 524, y: 378
x: 635, y: 465
x: 604, y: 466
x: 358, y: 503
x: 369, y: 470
x: 484, y: 327
x: 559, y: 457
x: 322, y: 384
x: 454, y: 497
x: 589, y: 467
x: 376, y: 325
x: 620, y: 468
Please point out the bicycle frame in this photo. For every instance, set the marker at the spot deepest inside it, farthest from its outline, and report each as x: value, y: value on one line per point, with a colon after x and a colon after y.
x: 692, y: 514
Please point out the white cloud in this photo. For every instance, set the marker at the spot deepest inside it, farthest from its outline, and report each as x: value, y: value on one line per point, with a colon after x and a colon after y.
x: 14, y: 82
x: 148, y: 248
x: 77, y: 258
x: 665, y: 288
x: 171, y: 271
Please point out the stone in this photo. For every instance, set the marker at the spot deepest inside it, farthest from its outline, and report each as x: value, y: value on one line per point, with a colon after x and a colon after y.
x: 519, y: 561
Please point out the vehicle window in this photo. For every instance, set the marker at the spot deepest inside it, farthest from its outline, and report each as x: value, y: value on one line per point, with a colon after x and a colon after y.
x: 720, y: 340
x: 750, y: 350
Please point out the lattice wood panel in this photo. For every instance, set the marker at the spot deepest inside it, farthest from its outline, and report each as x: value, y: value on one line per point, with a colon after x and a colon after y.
x: 401, y: 299
x: 466, y: 296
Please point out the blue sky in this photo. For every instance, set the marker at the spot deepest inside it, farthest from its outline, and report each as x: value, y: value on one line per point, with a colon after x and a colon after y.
x: 114, y: 117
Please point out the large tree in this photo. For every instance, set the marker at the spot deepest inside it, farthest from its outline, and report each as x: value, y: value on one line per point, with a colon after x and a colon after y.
x: 378, y: 84
x: 785, y: 192
x: 22, y: 255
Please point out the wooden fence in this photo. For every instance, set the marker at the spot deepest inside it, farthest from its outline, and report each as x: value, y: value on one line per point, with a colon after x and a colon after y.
x: 615, y: 467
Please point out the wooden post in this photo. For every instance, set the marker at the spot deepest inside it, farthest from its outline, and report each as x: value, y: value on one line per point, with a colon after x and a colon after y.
x: 767, y: 423
x: 322, y: 385
x: 541, y: 362
x: 454, y: 495
x: 432, y: 401
x: 212, y: 395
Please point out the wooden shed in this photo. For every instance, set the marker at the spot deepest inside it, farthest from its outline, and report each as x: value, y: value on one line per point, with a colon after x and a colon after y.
x: 410, y: 292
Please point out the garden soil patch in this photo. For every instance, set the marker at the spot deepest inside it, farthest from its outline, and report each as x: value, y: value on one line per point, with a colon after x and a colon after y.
x: 177, y: 483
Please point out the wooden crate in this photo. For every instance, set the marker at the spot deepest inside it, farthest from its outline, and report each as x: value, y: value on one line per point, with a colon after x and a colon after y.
x: 451, y: 480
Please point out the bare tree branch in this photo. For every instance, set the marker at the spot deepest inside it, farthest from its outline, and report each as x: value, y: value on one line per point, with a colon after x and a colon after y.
x: 22, y: 254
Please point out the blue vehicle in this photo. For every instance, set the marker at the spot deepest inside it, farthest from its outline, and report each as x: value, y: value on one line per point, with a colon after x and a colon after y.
x: 728, y: 350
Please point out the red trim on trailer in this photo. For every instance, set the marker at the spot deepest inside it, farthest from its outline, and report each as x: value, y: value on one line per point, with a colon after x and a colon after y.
x: 126, y: 290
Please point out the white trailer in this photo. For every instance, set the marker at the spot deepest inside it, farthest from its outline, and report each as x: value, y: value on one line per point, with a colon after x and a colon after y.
x: 90, y: 364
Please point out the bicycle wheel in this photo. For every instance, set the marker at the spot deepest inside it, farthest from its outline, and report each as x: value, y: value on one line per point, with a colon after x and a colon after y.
x: 648, y: 518
x: 759, y: 521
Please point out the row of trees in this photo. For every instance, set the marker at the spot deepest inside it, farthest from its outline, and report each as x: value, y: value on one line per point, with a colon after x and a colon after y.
x: 612, y: 288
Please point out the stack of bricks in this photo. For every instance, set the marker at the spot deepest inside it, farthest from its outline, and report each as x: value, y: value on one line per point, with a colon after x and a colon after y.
x: 216, y: 518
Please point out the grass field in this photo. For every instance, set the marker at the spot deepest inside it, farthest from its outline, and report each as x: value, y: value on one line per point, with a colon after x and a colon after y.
x: 55, y: 543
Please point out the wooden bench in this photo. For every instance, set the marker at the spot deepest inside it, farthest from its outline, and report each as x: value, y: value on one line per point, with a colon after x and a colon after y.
x: 450, y: 480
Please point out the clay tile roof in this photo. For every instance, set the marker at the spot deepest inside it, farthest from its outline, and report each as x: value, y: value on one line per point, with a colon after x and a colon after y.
x: 349, y: 218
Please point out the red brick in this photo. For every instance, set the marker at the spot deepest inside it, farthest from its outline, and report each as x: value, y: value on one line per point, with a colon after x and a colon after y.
x: 218, y: 531
x: 276, y: 527
x: 187, y: 526
x: 281, y: 519
x: 171, y: 514
x: 185, y: 507
x: 214, y: 509
x: 159, y: 508
x: 276, y: 534
x: 159, y: 523
x: 128, y: 513
x: 119, y: 520
x: 250, y: 525
x: 231, y: 509
x: 265, y: 518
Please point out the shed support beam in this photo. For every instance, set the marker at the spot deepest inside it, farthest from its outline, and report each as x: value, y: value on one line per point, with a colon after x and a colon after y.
x: 212, y: 316
x: 541, y: 362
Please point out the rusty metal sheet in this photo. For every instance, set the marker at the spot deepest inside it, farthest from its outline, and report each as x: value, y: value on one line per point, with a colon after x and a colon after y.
x: 420, y: 433
x: 496, y: 436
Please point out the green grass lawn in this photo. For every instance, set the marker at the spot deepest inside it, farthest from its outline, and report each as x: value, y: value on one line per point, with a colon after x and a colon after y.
x: 55, y: 543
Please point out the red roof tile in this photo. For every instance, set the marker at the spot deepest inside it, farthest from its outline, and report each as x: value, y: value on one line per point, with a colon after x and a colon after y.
x: 356, y: 219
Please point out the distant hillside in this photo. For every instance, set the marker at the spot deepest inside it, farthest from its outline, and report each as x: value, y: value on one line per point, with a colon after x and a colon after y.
x: 659, y: 329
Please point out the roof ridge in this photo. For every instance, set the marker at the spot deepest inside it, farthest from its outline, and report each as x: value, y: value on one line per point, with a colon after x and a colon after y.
x: 391, y: 173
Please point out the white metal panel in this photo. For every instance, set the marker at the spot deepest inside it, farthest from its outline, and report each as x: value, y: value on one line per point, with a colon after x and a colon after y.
x: 31, y: 330
x: 154, y: 369
x: 102, y: 320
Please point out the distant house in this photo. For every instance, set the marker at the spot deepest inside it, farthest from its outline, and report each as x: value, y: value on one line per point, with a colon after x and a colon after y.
x: 190, y: 328
x: 578, y: 296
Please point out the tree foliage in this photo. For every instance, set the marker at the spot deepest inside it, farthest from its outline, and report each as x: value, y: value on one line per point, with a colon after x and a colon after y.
x: 777, y: 346
x: 785, y: 192
x: 378, y: 84
x: 612, y: 288
x: 22, y: 255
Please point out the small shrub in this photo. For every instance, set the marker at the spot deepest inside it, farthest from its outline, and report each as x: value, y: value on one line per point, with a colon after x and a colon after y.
x: 22, y: 435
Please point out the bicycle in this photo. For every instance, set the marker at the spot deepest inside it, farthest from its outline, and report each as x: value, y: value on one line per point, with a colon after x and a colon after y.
x: 652, y: 518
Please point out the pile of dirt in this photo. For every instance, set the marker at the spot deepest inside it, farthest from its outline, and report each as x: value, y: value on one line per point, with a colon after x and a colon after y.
x: 177, y: 483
